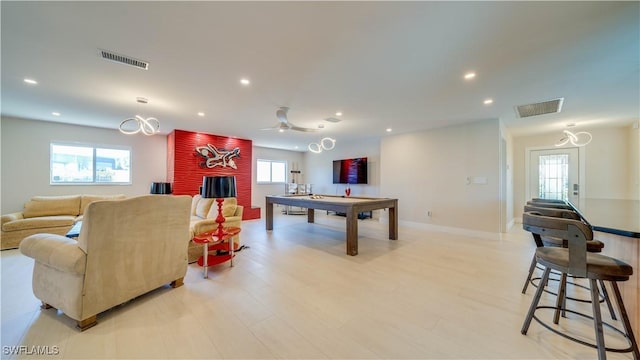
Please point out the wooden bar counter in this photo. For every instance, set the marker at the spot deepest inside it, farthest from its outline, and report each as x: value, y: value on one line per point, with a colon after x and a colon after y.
x: 617, y: 224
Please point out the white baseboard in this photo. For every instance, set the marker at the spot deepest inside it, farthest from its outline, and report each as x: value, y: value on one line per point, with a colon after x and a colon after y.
x: 447, y: 229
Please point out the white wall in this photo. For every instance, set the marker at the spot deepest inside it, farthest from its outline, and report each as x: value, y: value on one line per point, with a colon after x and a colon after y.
x: 428, y: 171
x: 607, y: 168
x: 609, y: 164
x: 509, y: 176
x: 318, y: 168
x: 634, y: 160
x: 25, y: 160
x: 506, y: 171
x: 294, y: 159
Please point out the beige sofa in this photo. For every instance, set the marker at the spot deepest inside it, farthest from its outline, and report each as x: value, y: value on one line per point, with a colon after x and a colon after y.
x: 45, y: 214
x: 126, y: 248
x: 203, y: 218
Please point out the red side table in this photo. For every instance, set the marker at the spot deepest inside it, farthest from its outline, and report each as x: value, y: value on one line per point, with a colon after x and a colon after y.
x: 211, y: 241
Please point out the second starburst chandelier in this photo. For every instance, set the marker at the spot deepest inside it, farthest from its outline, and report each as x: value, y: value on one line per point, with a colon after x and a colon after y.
x: 324, y: 144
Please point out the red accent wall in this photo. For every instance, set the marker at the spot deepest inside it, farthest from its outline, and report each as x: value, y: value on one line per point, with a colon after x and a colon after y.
x: 185, y: 172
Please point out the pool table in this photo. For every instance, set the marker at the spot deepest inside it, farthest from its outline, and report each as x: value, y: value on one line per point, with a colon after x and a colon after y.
x: 351, y: 206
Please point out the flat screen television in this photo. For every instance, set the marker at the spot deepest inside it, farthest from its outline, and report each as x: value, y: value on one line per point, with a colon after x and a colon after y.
x: 350, y: 171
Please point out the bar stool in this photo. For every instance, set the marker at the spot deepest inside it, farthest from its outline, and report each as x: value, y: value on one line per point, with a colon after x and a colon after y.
x: 546, y: 241
x: 575, y: 260
x: 593, y: 246
x: 548, y: 203
x: 557, y: 201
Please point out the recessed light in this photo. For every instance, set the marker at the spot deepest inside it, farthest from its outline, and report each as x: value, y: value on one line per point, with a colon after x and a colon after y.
x: 469, y: 75
x: 488, y: 101
x: 245, y: 81
x: 200, y: 113
x: 30, y: 81
x: 55, y: 113
x: 389, y: 129
x: 339, y: 113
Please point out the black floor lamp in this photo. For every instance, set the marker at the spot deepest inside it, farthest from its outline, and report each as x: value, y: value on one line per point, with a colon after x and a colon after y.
x: 160, y: 188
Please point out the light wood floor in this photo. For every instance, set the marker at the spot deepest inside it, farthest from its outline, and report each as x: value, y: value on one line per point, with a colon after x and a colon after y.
x: 294, y: 294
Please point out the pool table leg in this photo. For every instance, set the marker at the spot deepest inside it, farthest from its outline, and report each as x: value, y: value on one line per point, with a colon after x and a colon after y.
x: 352, y: 232
x: 311, y: 214
x: 393, y: 222
x: 269, y: 215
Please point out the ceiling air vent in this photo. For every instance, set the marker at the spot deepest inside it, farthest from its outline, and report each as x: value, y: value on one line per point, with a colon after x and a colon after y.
x: 123, y: 59
x: 541, y: 108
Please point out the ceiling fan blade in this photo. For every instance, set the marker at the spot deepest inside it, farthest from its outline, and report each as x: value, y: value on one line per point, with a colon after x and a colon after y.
x: 278, y: 126
x: 297, y: 128
x: 332, y: 119
x: 284, y: 124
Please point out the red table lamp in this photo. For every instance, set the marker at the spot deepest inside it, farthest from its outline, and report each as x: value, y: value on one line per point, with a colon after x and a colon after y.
x: 219, y: 187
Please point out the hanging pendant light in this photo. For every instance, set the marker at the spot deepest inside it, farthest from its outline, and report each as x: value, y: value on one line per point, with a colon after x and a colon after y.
x: 148, y: 126
x: 581, y: 138
x: 324, y: 144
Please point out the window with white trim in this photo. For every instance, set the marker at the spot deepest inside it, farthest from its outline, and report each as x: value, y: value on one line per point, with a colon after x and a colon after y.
x: 271, y: 171
x: 87, y: 164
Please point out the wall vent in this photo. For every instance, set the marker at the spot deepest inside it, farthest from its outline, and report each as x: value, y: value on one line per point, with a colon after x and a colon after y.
x: 123, y: 59
x: 541, y: 108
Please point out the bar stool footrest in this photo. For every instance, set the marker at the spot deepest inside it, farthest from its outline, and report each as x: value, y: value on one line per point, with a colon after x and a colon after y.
x: 548, y: 327
x: 534, y: 283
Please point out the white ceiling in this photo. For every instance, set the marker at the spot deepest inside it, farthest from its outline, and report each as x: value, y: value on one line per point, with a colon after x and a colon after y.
x: 384, y: 64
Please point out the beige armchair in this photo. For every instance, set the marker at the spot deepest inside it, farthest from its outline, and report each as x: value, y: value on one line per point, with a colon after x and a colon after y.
x: 126, y: 248
x: 204, y: 212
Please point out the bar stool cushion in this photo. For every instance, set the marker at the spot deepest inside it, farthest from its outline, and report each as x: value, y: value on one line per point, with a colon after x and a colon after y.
x: 599, y: 266
x: 553, y: 212
x: 592, y: 245
x: 553, y: 205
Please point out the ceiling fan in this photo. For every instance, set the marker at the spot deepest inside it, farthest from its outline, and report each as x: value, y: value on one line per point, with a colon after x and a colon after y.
x: 284, y: 123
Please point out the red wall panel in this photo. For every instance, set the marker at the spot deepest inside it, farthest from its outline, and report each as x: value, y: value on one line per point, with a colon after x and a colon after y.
x: 185, y: 170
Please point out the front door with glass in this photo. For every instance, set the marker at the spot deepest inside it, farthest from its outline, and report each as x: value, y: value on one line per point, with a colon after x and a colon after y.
x: 554, y: 174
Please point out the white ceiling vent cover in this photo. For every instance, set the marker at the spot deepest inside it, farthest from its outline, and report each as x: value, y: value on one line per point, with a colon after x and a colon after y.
x: 123, y: 59
x: 541, y: 108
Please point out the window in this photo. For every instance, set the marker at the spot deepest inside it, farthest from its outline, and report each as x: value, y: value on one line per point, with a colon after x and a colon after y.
x: 554, y: 177
x: 86, y: 164
x: 271, y: 171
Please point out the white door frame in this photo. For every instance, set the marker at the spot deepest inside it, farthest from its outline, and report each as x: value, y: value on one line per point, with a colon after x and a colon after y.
x: 527, y: 169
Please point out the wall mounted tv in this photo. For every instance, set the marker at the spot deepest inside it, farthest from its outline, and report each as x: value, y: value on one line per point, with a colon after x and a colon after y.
x: 350, y: 171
